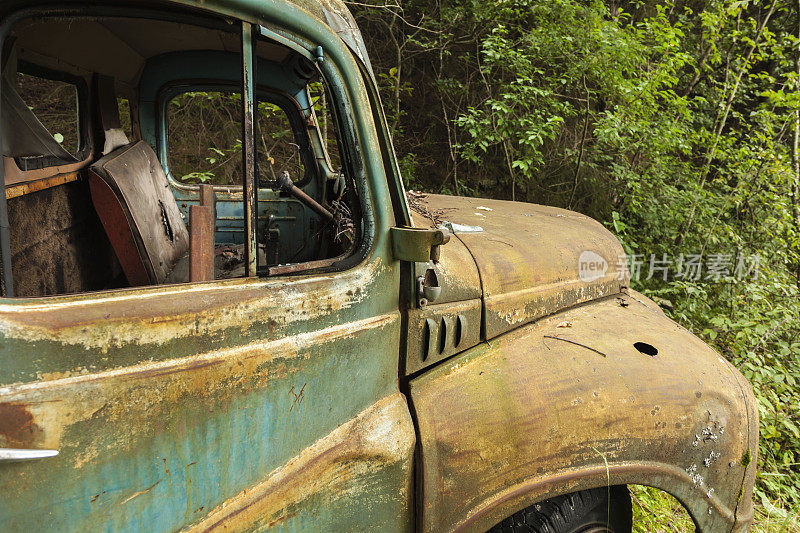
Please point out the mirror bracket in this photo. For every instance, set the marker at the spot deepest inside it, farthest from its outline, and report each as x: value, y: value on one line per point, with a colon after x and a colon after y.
x: 418, y: 244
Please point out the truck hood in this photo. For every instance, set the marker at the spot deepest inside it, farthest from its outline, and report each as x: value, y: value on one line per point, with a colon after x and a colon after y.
x: 531, y: 260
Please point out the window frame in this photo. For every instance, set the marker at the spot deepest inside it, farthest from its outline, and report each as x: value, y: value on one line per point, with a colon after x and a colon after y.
x: 85, y: 146
x: 285, y: 102
x: 371, y: 215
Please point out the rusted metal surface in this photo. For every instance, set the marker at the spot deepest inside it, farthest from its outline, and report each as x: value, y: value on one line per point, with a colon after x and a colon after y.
x: 528, y: 257
x: 458, y: 309
x: 526, y: 417
x: 166, y: 402
x: 418, y: 244
x: 333, y: 470
x: 14, y: 191
x: 208, y: 198
x: 154, y: 446
x: 249, y: 186
x: 201, y: 243
x: 294, y: 268
x: 101, y: 331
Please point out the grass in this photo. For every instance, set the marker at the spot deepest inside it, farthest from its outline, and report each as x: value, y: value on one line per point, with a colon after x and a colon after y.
x: 655, y: 511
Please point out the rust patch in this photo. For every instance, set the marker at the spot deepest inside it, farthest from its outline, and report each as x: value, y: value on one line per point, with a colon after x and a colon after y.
x: 17, y: 428
x: 529, y: 258
x: 436, y: 332
x: 298, y: 396
x: 457, y: 271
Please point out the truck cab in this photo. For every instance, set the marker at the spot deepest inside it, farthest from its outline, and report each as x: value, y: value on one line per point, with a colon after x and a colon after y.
x: 221, y: 310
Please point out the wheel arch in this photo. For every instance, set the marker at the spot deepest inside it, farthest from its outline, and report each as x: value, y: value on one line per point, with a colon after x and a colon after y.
x: 535, y: 490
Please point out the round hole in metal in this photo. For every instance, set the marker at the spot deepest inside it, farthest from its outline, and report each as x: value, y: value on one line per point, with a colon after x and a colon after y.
x: 647, y: 349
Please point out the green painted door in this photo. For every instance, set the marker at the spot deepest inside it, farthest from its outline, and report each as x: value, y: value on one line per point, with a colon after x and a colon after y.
x: 243, y: 403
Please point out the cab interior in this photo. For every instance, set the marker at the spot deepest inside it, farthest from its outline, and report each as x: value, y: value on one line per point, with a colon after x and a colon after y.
x: 123, y: 156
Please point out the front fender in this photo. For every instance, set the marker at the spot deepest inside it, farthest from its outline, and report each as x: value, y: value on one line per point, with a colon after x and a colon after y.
x: 569, y: 403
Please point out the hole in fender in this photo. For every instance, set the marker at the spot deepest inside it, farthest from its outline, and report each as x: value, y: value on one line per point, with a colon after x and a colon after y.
x: 442, y: 335
x: 647, y: 349
x: 431, y: 279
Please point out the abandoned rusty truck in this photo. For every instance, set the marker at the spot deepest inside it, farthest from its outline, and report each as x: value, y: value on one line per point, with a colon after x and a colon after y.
x: 249, y: 324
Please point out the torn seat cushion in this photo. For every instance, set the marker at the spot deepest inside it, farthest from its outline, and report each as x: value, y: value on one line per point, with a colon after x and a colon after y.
x: 139, y: 213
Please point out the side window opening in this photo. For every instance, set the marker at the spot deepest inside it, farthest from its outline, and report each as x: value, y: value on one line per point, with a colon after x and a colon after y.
x: 204, y: 137
x: 334, y: 203
x: 55, y: 103
x: 46, y: 110
x: 105, y: 214
x: 204, y: 145
x: 277, y: 148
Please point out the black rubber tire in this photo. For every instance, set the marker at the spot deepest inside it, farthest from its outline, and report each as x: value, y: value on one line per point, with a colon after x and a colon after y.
x: 606, y: 510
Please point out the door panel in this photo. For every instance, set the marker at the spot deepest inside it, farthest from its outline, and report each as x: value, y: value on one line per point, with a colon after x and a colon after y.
x: 166, y: 402
x: 342, y: 474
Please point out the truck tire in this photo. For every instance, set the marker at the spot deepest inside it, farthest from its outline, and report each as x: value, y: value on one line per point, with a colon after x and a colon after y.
x: 601, y: 510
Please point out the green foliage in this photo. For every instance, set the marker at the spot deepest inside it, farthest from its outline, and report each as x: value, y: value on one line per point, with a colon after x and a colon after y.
x: 651, y: 505
x: 204, y: 139
x: 655, y: 511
